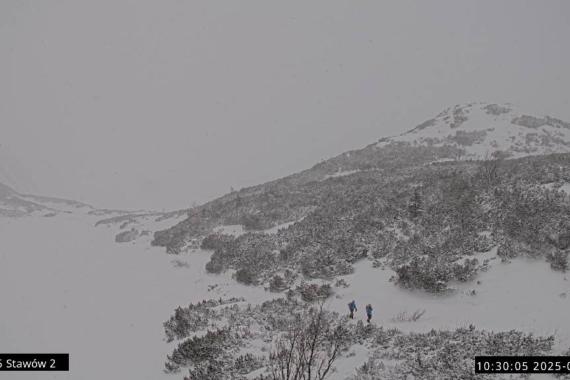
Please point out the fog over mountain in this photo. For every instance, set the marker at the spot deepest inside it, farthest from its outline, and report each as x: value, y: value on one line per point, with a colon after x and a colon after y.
x: 444, y: 230
x: 292, y: 190
x: 147, y: 105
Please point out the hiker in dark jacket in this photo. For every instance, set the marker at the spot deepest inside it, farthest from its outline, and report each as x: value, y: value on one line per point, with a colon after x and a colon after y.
x: 352, y: 308
x: 369, y: 312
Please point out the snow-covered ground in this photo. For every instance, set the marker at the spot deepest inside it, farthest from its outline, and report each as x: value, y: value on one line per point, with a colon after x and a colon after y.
x: 66, y: 286
x: 237, y: 229
x: 341, y: 173
x: 233, y: 230
x: 524, y: 294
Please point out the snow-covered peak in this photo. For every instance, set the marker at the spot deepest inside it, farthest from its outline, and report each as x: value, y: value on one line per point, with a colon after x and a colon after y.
x: 481, y: 129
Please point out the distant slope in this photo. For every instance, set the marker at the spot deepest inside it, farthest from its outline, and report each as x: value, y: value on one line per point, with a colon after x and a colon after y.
x: 127, y: 225
x: 16, y: 204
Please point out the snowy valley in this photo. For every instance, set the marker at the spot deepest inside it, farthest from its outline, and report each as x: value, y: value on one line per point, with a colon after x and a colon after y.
x: 456, y: 232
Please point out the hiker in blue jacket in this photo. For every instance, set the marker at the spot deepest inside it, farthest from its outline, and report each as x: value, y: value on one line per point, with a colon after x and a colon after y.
x: 352, y: 308
x: 369, y: 312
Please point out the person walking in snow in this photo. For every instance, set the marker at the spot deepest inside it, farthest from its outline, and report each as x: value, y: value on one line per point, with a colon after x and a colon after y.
x: 352, y: 308
x: 369, y: 312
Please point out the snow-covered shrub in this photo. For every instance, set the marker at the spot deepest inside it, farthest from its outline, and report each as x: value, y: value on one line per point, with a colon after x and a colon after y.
x: 507, y: 250
x: 428, y: 273
x: 209, y: 370
x: 383, y: 337
x: 384, y: 245
x: 449, y: 354
x: 558, y: 259
x: 226, y: 369
x: 194, y: 317
x: 277, y: 284
x: 253, y: 255
x: 324, y: 263
x: 245, y: 276
x: 314, y: 292
x: 216, y: 241
x: 247, y: 363
x: 370, y: 370
x: 468, y: 138
x: 530, y: 214
x: 186, y: 320
x: 560, y: 239
x: 214, y: 265
x: 127, y: 236
x: 180, y: 264
x: 341, y: 282
x: 466, y: 271
x: 200, y: 222
x: 445, y: 354
x: 310, y: 347
x: 363, y: 331
x: 483, y: 243
x: 459, y: 117
x: 199, y: 350
x: 495, y: 109
x: 252, y: 222
x: 564, y: 239
x: 404, y: 316
x: 529, y: 121
x: 415, y: 204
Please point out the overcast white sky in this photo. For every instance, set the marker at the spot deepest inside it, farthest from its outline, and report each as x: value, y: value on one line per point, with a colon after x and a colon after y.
x: 155, y: 104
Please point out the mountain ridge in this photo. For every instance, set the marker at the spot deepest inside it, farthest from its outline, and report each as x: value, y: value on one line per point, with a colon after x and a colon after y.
x: 296, y: 196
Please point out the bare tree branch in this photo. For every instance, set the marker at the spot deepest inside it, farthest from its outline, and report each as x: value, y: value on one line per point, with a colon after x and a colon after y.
x: 309, y: 349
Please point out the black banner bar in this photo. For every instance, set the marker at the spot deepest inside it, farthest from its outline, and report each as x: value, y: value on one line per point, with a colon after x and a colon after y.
x: 522, y: 364
x: 34, y: 362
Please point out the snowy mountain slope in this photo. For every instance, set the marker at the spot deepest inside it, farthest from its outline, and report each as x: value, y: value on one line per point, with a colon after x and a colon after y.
x: 469, y: 131
x: 480, y: 129
x: 387, y: 222
x: 461, y: 133
x: 354, y: 217
x: 105, y: 302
